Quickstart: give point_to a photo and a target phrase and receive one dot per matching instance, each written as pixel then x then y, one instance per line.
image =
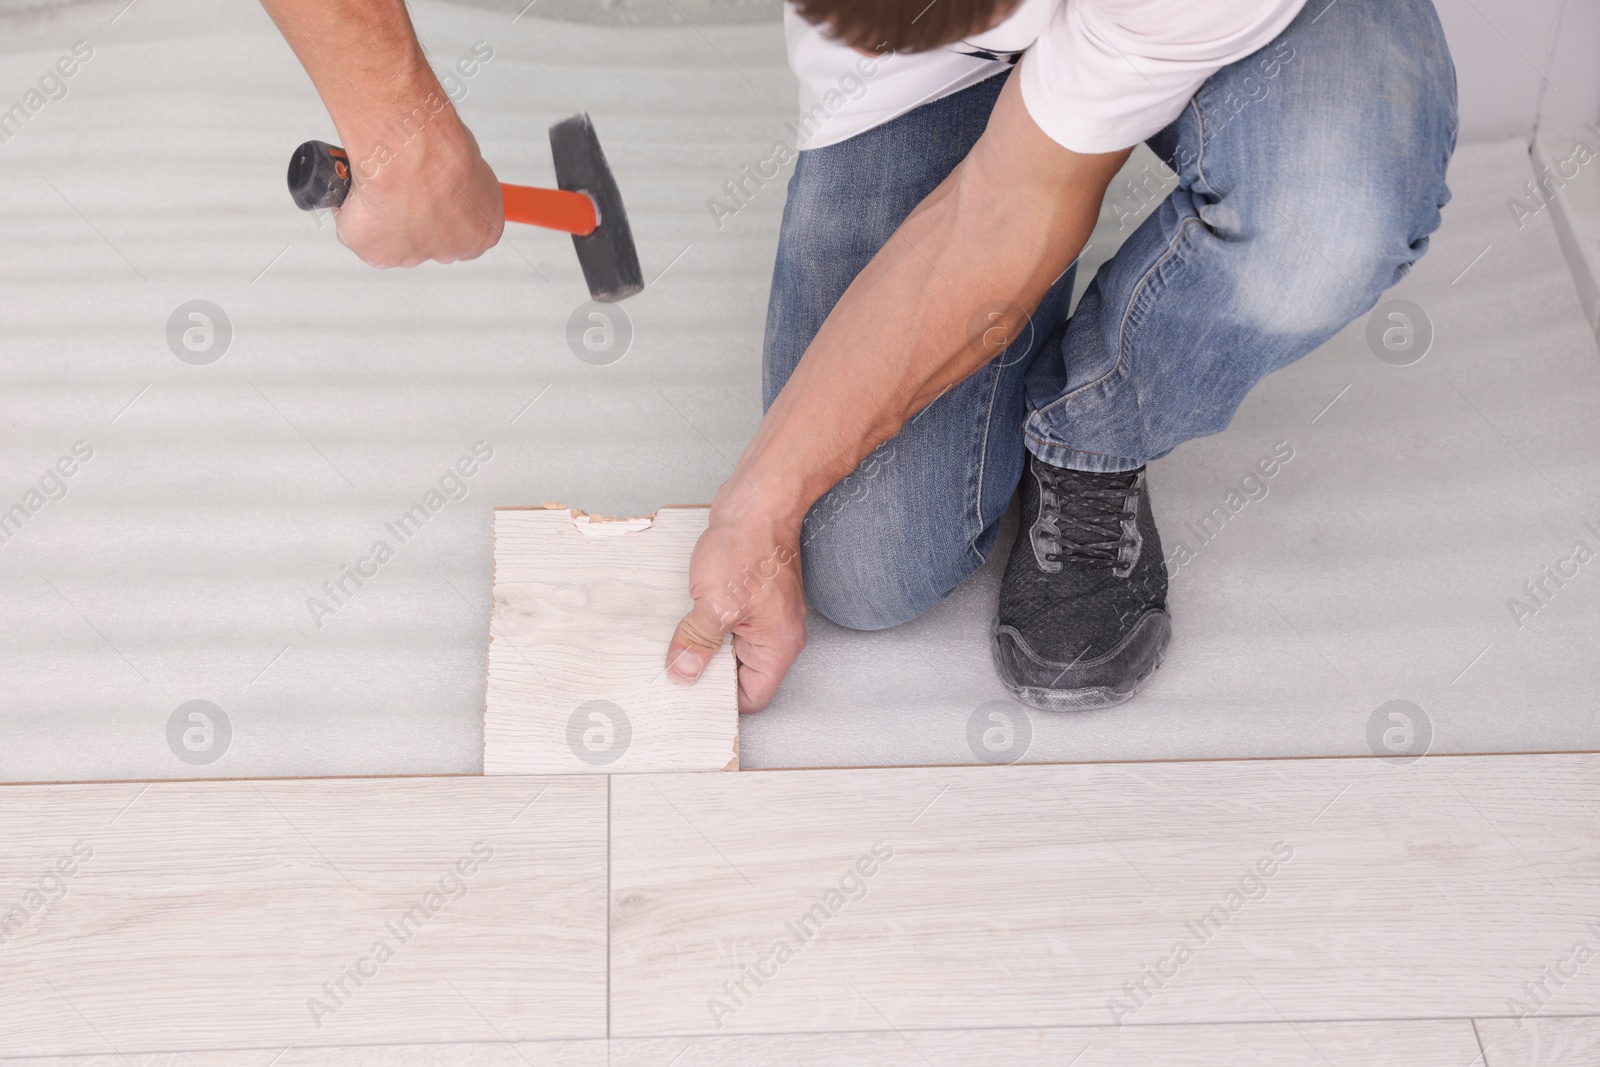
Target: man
pixel 947 200
pixel 918 348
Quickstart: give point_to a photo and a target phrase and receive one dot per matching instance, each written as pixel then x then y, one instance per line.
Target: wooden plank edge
pixel 1174 759
pixel 556 505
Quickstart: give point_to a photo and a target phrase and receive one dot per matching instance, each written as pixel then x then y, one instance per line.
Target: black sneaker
pixel 1083 606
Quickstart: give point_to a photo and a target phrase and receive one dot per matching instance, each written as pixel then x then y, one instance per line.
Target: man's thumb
pixel 695 641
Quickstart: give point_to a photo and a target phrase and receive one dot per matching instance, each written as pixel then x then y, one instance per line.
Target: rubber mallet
pixel 587 203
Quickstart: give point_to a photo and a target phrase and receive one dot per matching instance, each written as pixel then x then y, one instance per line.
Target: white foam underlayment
pixel 220 498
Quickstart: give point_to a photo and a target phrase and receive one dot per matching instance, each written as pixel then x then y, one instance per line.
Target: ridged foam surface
pixel 185 558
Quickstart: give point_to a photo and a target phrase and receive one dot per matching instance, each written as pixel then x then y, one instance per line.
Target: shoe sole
pixel 1089 698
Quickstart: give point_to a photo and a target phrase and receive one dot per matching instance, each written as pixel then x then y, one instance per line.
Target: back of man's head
pixel 904 25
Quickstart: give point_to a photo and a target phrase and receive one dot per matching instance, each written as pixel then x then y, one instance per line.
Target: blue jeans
pixel 1309 177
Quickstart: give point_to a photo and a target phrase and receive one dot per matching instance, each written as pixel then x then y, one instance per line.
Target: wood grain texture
pixel 187 916
pixel 1403 1044
pixel 1543 1041
pixel 587 1053
pixel 1048 896
pixel 577 648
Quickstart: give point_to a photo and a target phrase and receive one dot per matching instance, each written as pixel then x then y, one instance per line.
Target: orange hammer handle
pixel 554 209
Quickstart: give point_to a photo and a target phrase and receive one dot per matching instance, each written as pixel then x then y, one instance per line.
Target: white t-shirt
pixel 1100 75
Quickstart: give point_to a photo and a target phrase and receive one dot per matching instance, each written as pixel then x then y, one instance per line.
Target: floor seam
pixel 1128 761
pixel 609 778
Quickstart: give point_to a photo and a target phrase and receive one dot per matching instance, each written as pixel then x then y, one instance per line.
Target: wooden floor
pixel 1273 912
pixel 1414 1044
pixel 210 915
pixel 1242 892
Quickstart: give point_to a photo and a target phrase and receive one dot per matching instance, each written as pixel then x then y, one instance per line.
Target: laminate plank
pixel 1543 1041
pixel 587 1053
pixel 1250 891
pixel 216 915
pixel 1404 1044
pixel 583 611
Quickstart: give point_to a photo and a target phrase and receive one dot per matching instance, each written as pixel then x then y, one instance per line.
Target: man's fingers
pixel 764 658
pixel 758 684
pixel 405 227
pixel 696 640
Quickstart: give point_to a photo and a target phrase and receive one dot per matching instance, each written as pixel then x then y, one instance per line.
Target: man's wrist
pixel 772 497
pixel 383 120
pixel 430 130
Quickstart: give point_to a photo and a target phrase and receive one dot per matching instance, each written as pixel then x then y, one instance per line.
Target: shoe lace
pixel 1094 527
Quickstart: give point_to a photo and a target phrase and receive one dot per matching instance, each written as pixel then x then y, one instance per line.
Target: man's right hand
pixel 428 196
pixel 432 197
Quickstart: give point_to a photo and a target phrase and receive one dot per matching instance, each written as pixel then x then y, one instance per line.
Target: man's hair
pixel 903 25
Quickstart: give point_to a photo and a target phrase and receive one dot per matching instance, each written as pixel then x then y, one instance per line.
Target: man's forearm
pixel 911 325
pixel 364 58
pixel 421 189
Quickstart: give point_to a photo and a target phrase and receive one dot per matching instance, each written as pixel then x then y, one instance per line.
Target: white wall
pixel 1522 63
pixel 1576 69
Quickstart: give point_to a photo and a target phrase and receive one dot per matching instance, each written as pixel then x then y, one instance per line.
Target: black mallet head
pixel 609 260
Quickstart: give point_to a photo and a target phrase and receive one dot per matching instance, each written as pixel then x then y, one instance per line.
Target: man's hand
pixel 421 189
pixel 745 580
pixel 432 197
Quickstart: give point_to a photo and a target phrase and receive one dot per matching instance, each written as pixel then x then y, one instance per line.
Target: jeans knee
pixel 1309 270
pixel 857 607
pixel 870 573
pixel 855 586
pixel 1341 205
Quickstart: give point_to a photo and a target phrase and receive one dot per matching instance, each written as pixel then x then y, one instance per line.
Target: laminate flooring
pixel 1356 911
